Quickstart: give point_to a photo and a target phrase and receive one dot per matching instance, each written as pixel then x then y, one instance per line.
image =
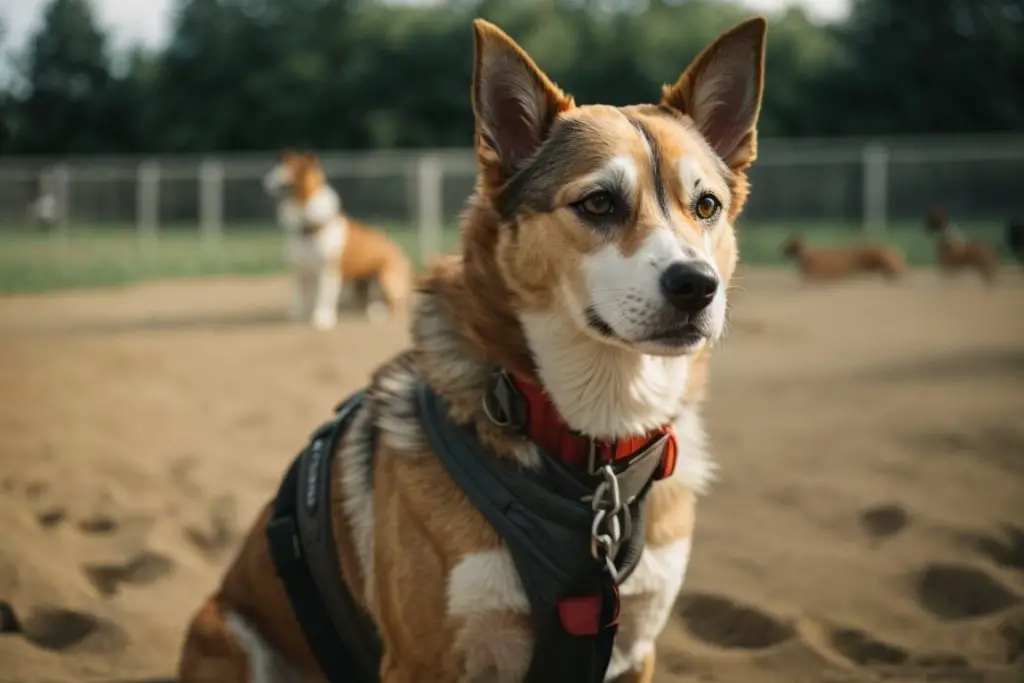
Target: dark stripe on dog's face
pixel 652 145
pixel 567 153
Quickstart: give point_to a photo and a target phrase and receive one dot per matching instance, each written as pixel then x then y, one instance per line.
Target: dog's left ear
pixel 721 91
pixel 513 101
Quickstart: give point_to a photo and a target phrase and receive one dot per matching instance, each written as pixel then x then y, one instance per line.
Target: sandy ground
pixel 868 523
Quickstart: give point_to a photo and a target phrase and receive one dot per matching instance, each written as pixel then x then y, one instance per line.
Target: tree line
pixel 241 75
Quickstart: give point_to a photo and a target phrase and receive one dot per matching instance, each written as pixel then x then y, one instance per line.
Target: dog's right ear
pixel 513 101
pixel 722 89
pixel 288 154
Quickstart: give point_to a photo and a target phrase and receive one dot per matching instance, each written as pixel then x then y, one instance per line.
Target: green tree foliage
pixel 68 75
pixel 357 74
pixel 929 66
pixel 6 100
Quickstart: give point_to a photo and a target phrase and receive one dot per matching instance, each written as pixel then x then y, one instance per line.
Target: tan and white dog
pixel 597 252
pixel 309 212
pixel 329 249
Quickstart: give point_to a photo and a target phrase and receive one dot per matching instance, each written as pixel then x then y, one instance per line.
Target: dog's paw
pixel 376 311
pixel 324 319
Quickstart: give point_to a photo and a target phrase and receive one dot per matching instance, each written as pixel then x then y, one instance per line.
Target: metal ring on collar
pixel 490 415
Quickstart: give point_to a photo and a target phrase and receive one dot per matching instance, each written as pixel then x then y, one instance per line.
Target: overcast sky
pixel 146 21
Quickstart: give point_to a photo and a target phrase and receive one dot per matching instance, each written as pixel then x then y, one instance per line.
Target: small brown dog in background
pixel 956 252
pixel 835 264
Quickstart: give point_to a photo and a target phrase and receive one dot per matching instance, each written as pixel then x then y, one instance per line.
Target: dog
pixel 1015 239
pixel 956 252
pixel 309 211
pixel 835 264
pixel 278 183
pixel 567 344
pixel 329 249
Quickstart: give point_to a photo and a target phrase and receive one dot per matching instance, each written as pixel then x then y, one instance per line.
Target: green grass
pixel 107 255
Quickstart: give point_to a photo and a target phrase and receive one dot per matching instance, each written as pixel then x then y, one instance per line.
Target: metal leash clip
pixel 610 516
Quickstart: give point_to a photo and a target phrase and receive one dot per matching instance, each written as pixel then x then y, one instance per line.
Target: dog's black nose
pixel 689 286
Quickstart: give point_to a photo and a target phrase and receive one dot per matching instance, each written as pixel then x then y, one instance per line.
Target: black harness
pixel 572 537
pixel 339 632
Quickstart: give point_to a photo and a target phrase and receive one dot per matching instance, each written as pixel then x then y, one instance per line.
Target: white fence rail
pixel 871 185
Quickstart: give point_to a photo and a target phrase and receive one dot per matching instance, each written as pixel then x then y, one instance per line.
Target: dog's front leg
pixel 328 290
pixel 304 291
pixel 301 295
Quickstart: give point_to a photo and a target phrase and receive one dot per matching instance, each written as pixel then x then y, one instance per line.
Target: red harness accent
pixel 545 426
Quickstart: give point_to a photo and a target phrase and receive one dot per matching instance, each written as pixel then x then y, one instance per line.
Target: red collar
pixel 545 426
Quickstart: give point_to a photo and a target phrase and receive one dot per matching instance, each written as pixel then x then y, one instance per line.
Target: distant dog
pixel 1015 239
pixel 309 211
pixel 277 183
pixel 956 252
pixel 328 248
pixel 836 264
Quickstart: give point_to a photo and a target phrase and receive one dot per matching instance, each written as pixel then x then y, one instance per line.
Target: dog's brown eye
pixel 598 204
pixel 707 207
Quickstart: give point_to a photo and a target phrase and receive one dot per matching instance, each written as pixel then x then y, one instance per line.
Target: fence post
pixel 147 200
pixel 62 198
pixel 429 196
pixel 875 158
pixel 211 201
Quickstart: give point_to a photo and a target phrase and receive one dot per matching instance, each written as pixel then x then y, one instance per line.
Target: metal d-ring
pixel 499 389
pixel 490 416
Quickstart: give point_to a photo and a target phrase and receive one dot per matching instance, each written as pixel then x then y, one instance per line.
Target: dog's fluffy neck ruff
pixel 601 390
pixel 320 208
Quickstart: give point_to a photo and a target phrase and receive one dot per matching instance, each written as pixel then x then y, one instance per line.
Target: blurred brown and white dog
pixel 956 252
pixel 328 249
pixel 836 264
pixel 597 251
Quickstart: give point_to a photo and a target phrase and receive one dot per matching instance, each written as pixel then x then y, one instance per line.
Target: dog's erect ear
pixel 721 91
pixel 288 154
pixel 513 101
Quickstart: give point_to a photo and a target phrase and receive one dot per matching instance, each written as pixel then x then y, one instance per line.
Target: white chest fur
pixel 313 252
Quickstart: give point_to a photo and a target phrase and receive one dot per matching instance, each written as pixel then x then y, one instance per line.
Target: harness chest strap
pixel 550 524
pixel 339 633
